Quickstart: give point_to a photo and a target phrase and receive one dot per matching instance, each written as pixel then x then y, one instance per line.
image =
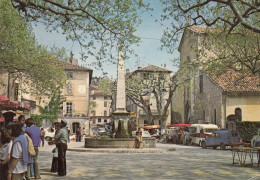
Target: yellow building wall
pixel 250 106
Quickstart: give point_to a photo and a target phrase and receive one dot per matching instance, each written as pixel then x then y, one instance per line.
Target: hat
pixel 63 123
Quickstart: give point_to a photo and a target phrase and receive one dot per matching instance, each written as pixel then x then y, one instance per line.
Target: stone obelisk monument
pixel 120 113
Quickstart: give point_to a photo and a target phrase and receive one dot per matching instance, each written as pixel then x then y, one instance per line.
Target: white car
pixel 144 134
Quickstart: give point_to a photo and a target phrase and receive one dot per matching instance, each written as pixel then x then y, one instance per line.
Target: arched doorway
pixel 231 122
pixel 75 126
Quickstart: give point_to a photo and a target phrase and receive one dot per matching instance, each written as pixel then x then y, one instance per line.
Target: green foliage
pixel 38 118
pixel 55 103
pixel 30 64
pixel 98 26
pixel 247 129
pixel 93 105
pixel 107 86
pixel 51 111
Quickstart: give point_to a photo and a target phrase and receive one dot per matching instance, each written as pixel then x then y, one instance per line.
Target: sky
pixel 148 51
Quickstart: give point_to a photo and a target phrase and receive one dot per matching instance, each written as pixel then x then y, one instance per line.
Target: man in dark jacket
pixel 61 139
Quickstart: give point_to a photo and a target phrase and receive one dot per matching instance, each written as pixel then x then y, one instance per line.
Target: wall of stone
pixel 208 101
pixel 118 143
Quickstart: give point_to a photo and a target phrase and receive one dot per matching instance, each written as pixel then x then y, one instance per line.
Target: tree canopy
pixel 99 26
pixel 235 40
pixel 27 62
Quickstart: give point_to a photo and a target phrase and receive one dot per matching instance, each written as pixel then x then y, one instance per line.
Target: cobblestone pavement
pixel 187 162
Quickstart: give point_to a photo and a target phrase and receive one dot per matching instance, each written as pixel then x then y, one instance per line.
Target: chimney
pixel 164 66
pixel 139 68
pixel 127 70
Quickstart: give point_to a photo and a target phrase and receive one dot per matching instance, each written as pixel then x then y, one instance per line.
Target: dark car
pixel 222 138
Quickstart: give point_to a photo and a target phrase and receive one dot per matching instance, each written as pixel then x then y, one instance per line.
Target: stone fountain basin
pixel 128 143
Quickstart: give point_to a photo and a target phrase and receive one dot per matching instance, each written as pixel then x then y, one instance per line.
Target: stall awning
pixel 16 105
pixel 4 99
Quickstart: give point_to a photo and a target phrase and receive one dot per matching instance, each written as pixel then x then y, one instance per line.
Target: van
pixel 200 131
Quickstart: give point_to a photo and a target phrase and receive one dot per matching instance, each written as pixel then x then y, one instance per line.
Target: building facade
pixel 212 99
pixel 149 75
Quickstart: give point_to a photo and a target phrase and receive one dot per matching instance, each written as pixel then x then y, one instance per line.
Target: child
pixel 54 166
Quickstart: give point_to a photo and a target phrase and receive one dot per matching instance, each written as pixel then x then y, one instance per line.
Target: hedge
pixel 247 129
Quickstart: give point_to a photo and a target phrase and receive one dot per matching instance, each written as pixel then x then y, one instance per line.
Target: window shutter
pixel 73 108
pixel 64 108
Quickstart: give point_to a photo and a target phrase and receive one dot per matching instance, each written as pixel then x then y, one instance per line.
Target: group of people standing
pixel 19 142
pixel 19 149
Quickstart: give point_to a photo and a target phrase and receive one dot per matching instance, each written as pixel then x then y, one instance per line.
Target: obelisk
pixel 120 92
pixel 120 114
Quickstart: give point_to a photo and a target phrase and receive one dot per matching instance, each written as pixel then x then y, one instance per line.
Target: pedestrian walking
pixel 19 153
pixel 42 136
pixel 5 150
pixel 34 133
pixel 61 139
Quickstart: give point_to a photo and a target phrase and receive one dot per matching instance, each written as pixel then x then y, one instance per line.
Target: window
pixel 201 83
pixel 105 113
pixel 71 75
pixel 105 97
pixel 69 88
pixel 69 108
pixel 94 97
pixel 238 114
pixel 93 113
pixel 161 76
pixel 105 104
pixel 105 121
pixel 99 120
pixel 204 115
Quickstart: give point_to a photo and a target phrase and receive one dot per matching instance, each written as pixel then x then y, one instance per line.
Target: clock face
pixel 82 89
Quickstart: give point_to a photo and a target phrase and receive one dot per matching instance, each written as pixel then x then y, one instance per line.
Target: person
pixel 61 140
pixel 42 136
pixel 68 133
pixel 5 150
pixel 78 134
pixel 34 133
pixel 54 165
pixel 138 139
pixel 19 153
pixel 180 131
pixel 21 119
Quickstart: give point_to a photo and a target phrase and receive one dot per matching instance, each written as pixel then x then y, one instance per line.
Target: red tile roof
pixel 235 82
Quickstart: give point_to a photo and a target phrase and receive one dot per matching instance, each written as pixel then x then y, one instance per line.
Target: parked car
pixel 144 134
pixel 221 138
pixel 199 132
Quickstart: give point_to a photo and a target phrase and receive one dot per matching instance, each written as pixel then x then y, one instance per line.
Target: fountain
pixel 121 137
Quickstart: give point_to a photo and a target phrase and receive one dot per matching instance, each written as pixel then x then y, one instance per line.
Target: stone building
pixel 149 73
pixel 76 108
pixel 213 99
pixel 100 104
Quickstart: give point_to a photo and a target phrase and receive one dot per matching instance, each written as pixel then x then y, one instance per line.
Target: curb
pixel 131 151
